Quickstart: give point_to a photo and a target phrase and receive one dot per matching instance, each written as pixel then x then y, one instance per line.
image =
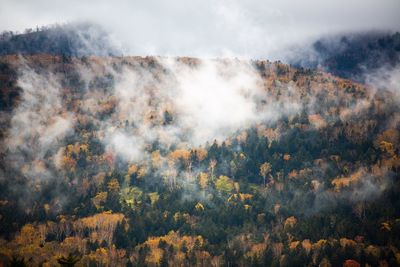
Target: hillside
pixel 73 39
pixel 134 161
pixel 353 56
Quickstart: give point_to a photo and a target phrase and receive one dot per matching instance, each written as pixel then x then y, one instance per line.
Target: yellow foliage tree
pixel 99 199
pixel 265 169
pixel 102 225
pixel 199 206
pixel 224 184
pixel 132 197
pixel 154 197
pixel 290 222
pixel 203 180
pixel 113 185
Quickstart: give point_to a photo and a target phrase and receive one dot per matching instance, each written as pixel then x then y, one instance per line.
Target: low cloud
pixel 256 29
pixel 177 102
pixel 39 124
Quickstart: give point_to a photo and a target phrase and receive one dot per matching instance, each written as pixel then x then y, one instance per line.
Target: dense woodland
pixel 318 186
pixel 352 56
pixel 73 39
pixel 349 55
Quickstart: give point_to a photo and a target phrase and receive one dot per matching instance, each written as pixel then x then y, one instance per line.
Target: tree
pixel 351 263
pixel 121 236
pixel 224 184
pixel 69 261
pixel 18 262
pixel 211 167
pixel 203 180
pixel 164 259
pixel 265 169
pixel 143 252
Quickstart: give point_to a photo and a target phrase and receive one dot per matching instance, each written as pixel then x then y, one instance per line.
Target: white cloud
pixel 39 124
pixel 210 100
pixel 216 99
pixel 251 28
pixel 128 146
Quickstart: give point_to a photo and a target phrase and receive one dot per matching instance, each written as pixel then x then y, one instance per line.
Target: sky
pixel 252 28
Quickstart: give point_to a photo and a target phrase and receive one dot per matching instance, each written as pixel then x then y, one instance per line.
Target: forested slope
pixel 353 55
pixel 111 161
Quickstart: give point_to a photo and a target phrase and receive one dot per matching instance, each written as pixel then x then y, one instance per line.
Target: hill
pixel 74 39
pixel 133 161
pixel 352 56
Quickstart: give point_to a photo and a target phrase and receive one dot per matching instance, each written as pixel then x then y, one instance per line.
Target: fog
pixel 256 29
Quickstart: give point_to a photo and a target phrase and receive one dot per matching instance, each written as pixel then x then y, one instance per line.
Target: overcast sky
pixel 254 28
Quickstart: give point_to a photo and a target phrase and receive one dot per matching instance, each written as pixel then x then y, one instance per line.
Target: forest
pixel 111 161
pixel 352 56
